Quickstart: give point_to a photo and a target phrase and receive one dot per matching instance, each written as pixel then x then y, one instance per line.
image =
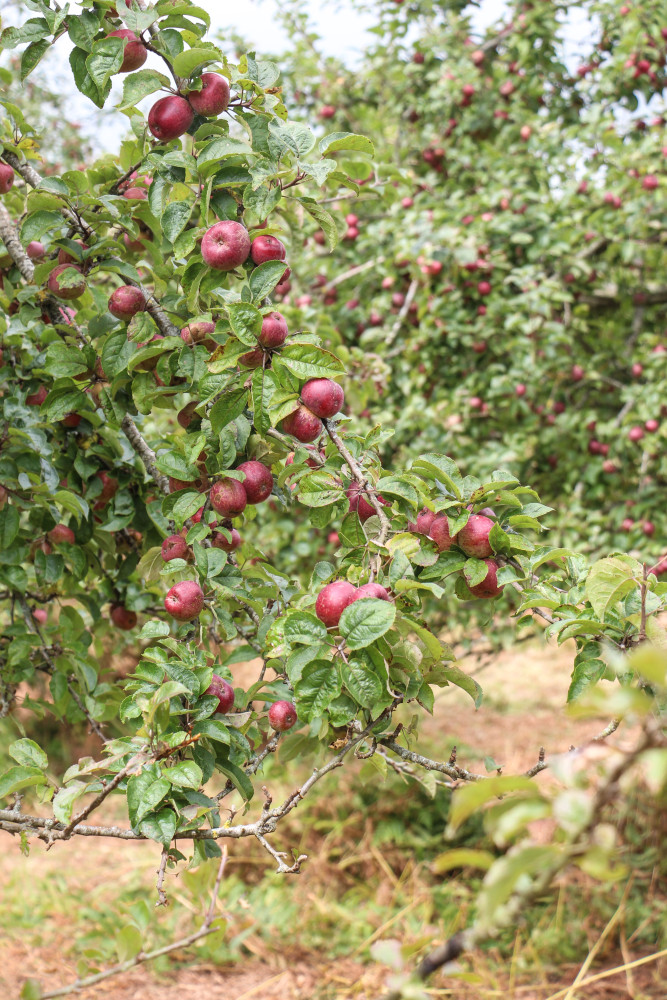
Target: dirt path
pixel 523 709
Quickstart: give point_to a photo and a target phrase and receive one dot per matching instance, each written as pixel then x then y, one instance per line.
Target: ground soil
pixel 509 729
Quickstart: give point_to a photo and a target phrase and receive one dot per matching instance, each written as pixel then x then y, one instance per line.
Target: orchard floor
pixel 48 901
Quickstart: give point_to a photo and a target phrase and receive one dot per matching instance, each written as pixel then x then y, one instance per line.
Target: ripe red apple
pixel 282 716
pixel 187 414
pixel 135 194
pixel 609 466
pixel 125 302
pixel 650 182
pixel 226 245
pixel 61 533
pixel 439 532
pixel 489 585
pixel 627 524
pixel 6 178
pixel 652 426
pixel 109 488
pixel 648 528
pixel 37 398
pixel 71 420
pixel 636 433
pixel 35 250
pixel 332 601
pixel 60 290
pixel 375 590
pixel 65 257
pixel 174 547
pixel 228 497
pixel 213 98
pixel 274 331
pixel 122 618
pixel 134 53
pixel 223 691
pixel 170 117
pixel 258 482
pixel 184 601
pixel 220 540
pixel 407 202
pixel 484 288
pixel 252 359
pixel 577 373
pixel 473 538
pixel 265 248
pixel 520 390
pixel 40 615
pixel 425 519
pixel 327 111
pixel 359 503
pixel 303 425
pixel 323 397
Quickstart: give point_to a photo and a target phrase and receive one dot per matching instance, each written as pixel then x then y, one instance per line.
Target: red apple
pixel 71 420
pixel 184 601
pixel 223 691
pixel 6 178
pixel 220 541
pixel 122 618
pixel 274 331
pixel 439 532
pixel 282 716
pixel 69 291
pixel 228 497
pixel 135 52
pixel 198 333
pixel 125 302
pixel 65 257
pixel 258 482
pixel 265 248
pixel 174 547
pixel 332 601
pixel 61 533
pixel 375 590
pixel 169 118
pixel 213 98
pixel 35 250
pixel 226 245
pixel 303 425
pixel 323 397
pixel 474 537
pixel 489 585
pixel 37 398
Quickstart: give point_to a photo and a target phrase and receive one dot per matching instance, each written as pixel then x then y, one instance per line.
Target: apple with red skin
pixel 274 331
pixel 125 302
pixel 425 519
pixel 258 482
pixel 650 182
pixel 60 290
pixel 332 601
pixel 373 590
pixel 303 425
pixel 225 245
pixel 323 397
pixel 184 601
pixel 199 333
pixel 134 53
pixel 174 547
pixel 35 250
pixel 109 488
pixel 359 503
pixel 223 691
pixel 65 257
pixel 473 538
pixel 627 524
pixel 484 288
pixel 636 433
pixel 220 540
pixel 489 585
pixel 252 359
pixel 61 533
pixel 327 111
pixel 652 426
pixel 170 117
pixel 265 248
pixel 213 98
pixel 40 615
pixel 228 497
pixel 136 194
pixel 282 716
pixel 648 528
pixel 37 398
pixel 122 618
pixel 439 532
pixel 186 416
pixel 6 178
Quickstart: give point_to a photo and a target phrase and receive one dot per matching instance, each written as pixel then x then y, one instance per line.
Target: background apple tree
pixel 165 428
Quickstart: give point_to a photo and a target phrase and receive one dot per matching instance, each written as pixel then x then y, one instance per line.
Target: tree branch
pixel 146 454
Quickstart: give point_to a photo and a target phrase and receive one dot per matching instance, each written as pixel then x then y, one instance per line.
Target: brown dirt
pixel 524 696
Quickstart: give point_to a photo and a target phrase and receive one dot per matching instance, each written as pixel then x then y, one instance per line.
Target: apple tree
pixel 156 405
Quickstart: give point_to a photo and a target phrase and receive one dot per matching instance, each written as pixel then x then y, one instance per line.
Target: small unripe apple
pixel 61 533
pixel 228 497
pixel 35 250
pixel 37 398
pixel 332 601
pixel 58 288
pixel 303 425
pixel 225 245
pixel 323 397
pixel 125 302
pixel 473 538
pixel 134 53
pixel 439 532
pixel 174 547
pixel 170 117
pixel 223 691
pixel 265 248
pixel 274 331
pixel 220 541
pixel 122 618
pixel 6 178
pixel 489 585
pixel 213 98
pixel 282 716
pixel 258 482
pixel 375 590
pixel 184 601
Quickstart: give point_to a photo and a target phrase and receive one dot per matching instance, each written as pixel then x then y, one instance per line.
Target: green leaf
pixel 175 218
pixel 160 826
pixel 309 361
pixel 28 752
pixel 365 621
pixel 263 388
pixel 610 580
pixel 303 627
pixel 39 223
pixel 144 792
pixel 238 778
pixel 185 63
pixel 324 219
pixel 186 774
pixel 32 56
pixel 290 135
pixel 346 140
pixel 17 778
pixel 128 942
pixel 214 729
pixel 363 684
pixel 154 629
pixel 138 85
pixel 105 60
pixel 263 279
pixel 83 29
pixel 9 526
pixel 469 798
pixel 453 675
pixel 261 201
pixel 230 405
pixel 245 321
pixel 319 684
